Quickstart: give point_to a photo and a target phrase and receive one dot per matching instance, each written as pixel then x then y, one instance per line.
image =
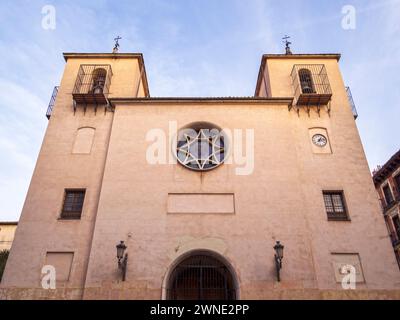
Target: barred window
pixel 396 224
pixel 335 205
pixel 99 80
pixel 397 180
pixel 388 194
pixel 306 81
pixel 73 203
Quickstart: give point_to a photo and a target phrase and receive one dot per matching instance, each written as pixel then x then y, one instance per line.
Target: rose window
pixel 201 147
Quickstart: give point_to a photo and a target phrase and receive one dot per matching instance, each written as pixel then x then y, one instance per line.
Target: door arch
pixel 201 275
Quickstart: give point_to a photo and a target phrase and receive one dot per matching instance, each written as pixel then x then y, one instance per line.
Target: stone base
pixel 106 293
pixel 40 294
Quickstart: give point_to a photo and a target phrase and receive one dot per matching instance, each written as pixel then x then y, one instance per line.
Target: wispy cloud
pixel 191 48
pixel 21 130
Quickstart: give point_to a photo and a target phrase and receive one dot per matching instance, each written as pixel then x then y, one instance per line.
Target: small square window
pixel 73 203
pixel 335 205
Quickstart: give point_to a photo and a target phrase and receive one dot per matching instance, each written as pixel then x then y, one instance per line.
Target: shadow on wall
pixel 3 261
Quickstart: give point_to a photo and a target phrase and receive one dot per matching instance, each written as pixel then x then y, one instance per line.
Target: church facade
pixel 262 197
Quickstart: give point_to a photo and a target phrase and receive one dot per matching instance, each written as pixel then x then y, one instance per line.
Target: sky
pixel 190 48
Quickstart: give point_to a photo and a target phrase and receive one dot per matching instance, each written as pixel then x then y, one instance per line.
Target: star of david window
pixel 201 147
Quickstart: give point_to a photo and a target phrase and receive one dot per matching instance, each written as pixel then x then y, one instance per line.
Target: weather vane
pixel 287 44
pixel 116 46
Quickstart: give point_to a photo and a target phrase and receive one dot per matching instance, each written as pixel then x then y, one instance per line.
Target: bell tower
pixel 91 79
pixel 313 80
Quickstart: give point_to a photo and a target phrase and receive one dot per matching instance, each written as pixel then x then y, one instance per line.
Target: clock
pixel 319 140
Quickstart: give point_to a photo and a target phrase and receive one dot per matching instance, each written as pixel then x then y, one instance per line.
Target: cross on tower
pixel 116 46
pixel 287 44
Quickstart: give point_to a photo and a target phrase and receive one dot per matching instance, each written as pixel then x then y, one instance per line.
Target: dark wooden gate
pixel 201 277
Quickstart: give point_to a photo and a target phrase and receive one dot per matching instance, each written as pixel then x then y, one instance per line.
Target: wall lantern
pixel 278 258
pixel 122 259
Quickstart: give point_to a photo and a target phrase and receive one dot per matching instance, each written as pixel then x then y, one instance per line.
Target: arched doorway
pixel 201 276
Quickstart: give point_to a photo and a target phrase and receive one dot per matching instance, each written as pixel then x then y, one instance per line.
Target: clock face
pixel 319 140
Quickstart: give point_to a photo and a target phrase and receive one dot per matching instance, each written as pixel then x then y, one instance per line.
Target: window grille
pixel 201 277
pixel 335 205
pixel 73 204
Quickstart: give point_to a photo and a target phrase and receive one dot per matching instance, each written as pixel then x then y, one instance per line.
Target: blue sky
pixel 191 48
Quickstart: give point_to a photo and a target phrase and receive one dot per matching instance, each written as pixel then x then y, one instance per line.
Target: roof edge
pixel 8 223
pixel 280 100
pixel 336 56
pixel 387 168
pixel 68 55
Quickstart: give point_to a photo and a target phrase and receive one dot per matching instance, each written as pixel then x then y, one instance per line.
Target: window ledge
pixel 339 219
pixel 69 218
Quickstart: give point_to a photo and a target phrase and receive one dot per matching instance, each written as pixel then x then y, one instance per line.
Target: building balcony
pixel 52 102
pixel 395 238
pixel 352 104
pixel 92 84
pixel 310 85
pixel 388 206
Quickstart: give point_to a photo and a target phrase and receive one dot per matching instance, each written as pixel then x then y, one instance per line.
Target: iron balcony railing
pixel 387 206
pixel 52 102
pixel 310 85
pixel 351 101
pixel 395 238
pixel 92 84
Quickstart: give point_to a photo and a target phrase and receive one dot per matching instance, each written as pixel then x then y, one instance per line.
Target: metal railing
pixel 93 79
pixel 310 84
pixel 52 102
pixel 395 238
pixel 351 101
pixel 201 277
pixel 387 206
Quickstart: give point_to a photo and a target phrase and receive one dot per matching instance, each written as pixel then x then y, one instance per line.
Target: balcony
pixel 395 238
pixel 92 84
pixel 387 206
pixel 52 102
pixel 311 85
pixel 351 101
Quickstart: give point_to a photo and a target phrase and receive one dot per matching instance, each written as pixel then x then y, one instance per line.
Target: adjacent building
pixel 387 184
pixel 7 232
pixel 199 194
